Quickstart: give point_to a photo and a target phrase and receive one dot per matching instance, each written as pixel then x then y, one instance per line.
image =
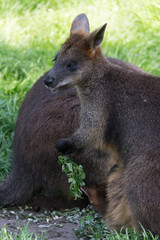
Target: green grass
pixel 31 32
pixel 93 227
pixel 23 234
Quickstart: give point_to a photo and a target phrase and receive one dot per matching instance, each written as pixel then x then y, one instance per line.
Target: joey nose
pixel 48 81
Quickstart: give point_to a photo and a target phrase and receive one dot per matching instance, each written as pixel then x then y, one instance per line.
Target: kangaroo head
pixel 97 196
pixel 74 62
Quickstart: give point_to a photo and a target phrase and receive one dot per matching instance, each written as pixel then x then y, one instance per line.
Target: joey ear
pixel 80 23
pixel 96 37
pixel 91 193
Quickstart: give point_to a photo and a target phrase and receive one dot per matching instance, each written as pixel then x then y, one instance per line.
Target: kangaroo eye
pixel 72 66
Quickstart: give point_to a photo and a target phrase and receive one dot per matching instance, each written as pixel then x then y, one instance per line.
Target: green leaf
pixel 70 166
pixel 75 175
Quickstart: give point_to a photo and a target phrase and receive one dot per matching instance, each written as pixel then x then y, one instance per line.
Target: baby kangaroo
pixel 109 200
pixel 120 113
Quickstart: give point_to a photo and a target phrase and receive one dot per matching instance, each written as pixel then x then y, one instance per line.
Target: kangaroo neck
pixel 94 85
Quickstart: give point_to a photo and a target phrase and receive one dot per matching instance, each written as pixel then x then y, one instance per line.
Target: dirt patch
pixel 56 225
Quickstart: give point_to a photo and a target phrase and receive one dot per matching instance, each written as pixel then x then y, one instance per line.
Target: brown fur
pixel 120 110
pixel 97 196
pixel 118 212
pixel 109 199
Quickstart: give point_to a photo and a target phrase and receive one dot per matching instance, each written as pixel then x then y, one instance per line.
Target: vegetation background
pixel 31 33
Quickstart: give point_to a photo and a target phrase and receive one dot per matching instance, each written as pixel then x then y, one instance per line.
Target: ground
pixel 54 224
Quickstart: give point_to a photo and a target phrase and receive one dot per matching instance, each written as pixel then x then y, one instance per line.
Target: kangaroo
pixel 36 176
pixel 120 114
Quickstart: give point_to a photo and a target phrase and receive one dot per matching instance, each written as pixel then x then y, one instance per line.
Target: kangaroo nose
pixel 48 81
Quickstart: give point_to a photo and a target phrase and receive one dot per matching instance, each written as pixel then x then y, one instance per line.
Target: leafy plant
pixel 75 175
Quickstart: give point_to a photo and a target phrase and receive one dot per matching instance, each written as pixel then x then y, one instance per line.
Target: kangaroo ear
pixel 80 23
pixel 96 37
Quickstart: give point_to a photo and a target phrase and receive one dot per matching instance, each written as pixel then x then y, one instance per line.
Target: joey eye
pixel 72 66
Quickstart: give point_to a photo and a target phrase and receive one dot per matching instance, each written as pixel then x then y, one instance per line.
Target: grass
pixel 6 234
pixel 31 33
pixel 93 227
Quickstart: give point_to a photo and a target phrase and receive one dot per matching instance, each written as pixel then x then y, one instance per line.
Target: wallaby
pixel 120 113
pixel 43 118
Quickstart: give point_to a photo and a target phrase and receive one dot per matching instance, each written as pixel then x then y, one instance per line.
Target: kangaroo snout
pixel 48 81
